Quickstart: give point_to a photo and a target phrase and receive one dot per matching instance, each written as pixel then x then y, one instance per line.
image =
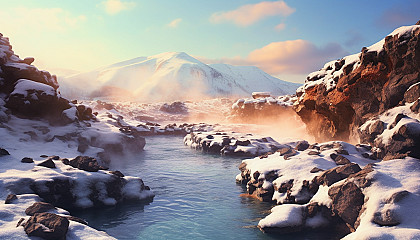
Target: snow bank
pixel 10 214
pixel 389 178
pixel 88 189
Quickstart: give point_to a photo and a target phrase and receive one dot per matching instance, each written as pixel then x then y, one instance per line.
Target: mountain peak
pixel 174 55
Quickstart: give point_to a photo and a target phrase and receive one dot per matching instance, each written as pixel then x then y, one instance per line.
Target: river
pixel 196 198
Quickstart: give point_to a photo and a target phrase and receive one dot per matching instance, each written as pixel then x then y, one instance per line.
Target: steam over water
pixel 196 198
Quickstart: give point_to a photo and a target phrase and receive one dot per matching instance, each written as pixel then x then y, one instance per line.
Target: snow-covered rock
pixel 260 109
pixel 231 143
pixel 67 186
pixel 13 213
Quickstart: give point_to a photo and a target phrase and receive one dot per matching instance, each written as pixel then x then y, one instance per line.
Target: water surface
pixel 196 198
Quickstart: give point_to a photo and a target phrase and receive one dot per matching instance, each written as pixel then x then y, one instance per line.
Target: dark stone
pixel 43 156
pixel 242 143
pixel 47 163
pixel 4 152
pixel 175 107
pixel 20 222
pixel 65 161
pixel 48 226
pixel 289 154
pixel 360 177
pixel 347 201
pixel 336 174
pixel 76 219
pixel 341 160
pixel 86 163
pixel 315 170
pixel 55 157
pixel 39 207
pixel 283 150
pixel 416 106
pixel 398 196
pixel 302 146
pixel 412 94
pixel 117 173
pixel 386 218
pixel 342 151
pixel 242 166
pixel 27 160
pixel 313 153
pixel 284 187
pixel 10 198
pixel 397 119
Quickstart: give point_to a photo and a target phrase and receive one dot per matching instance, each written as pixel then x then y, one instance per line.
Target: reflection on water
pixel 196 198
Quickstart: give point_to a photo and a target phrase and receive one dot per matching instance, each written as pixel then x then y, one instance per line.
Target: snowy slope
pixel 173 76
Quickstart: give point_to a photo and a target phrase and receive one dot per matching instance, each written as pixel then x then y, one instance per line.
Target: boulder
pixel 48 226
pixel 175 107
pixel 86 163
pixel 413 93
pixel 386 218
pixel 27 160
pixel 302 146
pixel 47 163
pixel 39 207
pixel 347 201
pixel 10 198
pixel 3 152
pixel 336 174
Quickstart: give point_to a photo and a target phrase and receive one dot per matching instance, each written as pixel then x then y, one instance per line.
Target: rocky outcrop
pixel 262 108
pixel 31 92
pixel 343 95
pixel 175 107
pixel 233 144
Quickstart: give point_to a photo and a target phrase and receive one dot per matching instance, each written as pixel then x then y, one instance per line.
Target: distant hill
pixel 171 76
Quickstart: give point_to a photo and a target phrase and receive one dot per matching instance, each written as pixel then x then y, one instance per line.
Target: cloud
pixel 294 57
pixel 174 23
pixel 280 27
pixel 287 57
pixel 113 7
pixel 400 14
pixel 39 19
pixel 252 13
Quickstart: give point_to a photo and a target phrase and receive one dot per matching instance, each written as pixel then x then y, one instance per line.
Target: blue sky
pixel 288 39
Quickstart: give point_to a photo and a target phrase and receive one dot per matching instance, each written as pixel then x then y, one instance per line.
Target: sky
pixel 287 39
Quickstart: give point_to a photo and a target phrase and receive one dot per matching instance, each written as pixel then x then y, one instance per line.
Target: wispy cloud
pixel 39 19
pixel 174 23
pixel 400 14
pixel 252 13
pixel 287 57
pixel 280 26
pixel 113 7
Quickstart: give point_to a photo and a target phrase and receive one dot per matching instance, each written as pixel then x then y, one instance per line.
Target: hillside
pixel 172 76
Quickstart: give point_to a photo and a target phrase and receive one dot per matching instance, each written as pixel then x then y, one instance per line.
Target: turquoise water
pixel 196 198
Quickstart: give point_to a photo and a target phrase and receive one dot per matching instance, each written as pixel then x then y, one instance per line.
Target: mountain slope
pixel 172 76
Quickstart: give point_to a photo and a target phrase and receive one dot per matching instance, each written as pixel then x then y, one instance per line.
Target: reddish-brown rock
pixel 376 83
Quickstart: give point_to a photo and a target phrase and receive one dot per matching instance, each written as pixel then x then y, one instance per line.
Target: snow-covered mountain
pixel 172 76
